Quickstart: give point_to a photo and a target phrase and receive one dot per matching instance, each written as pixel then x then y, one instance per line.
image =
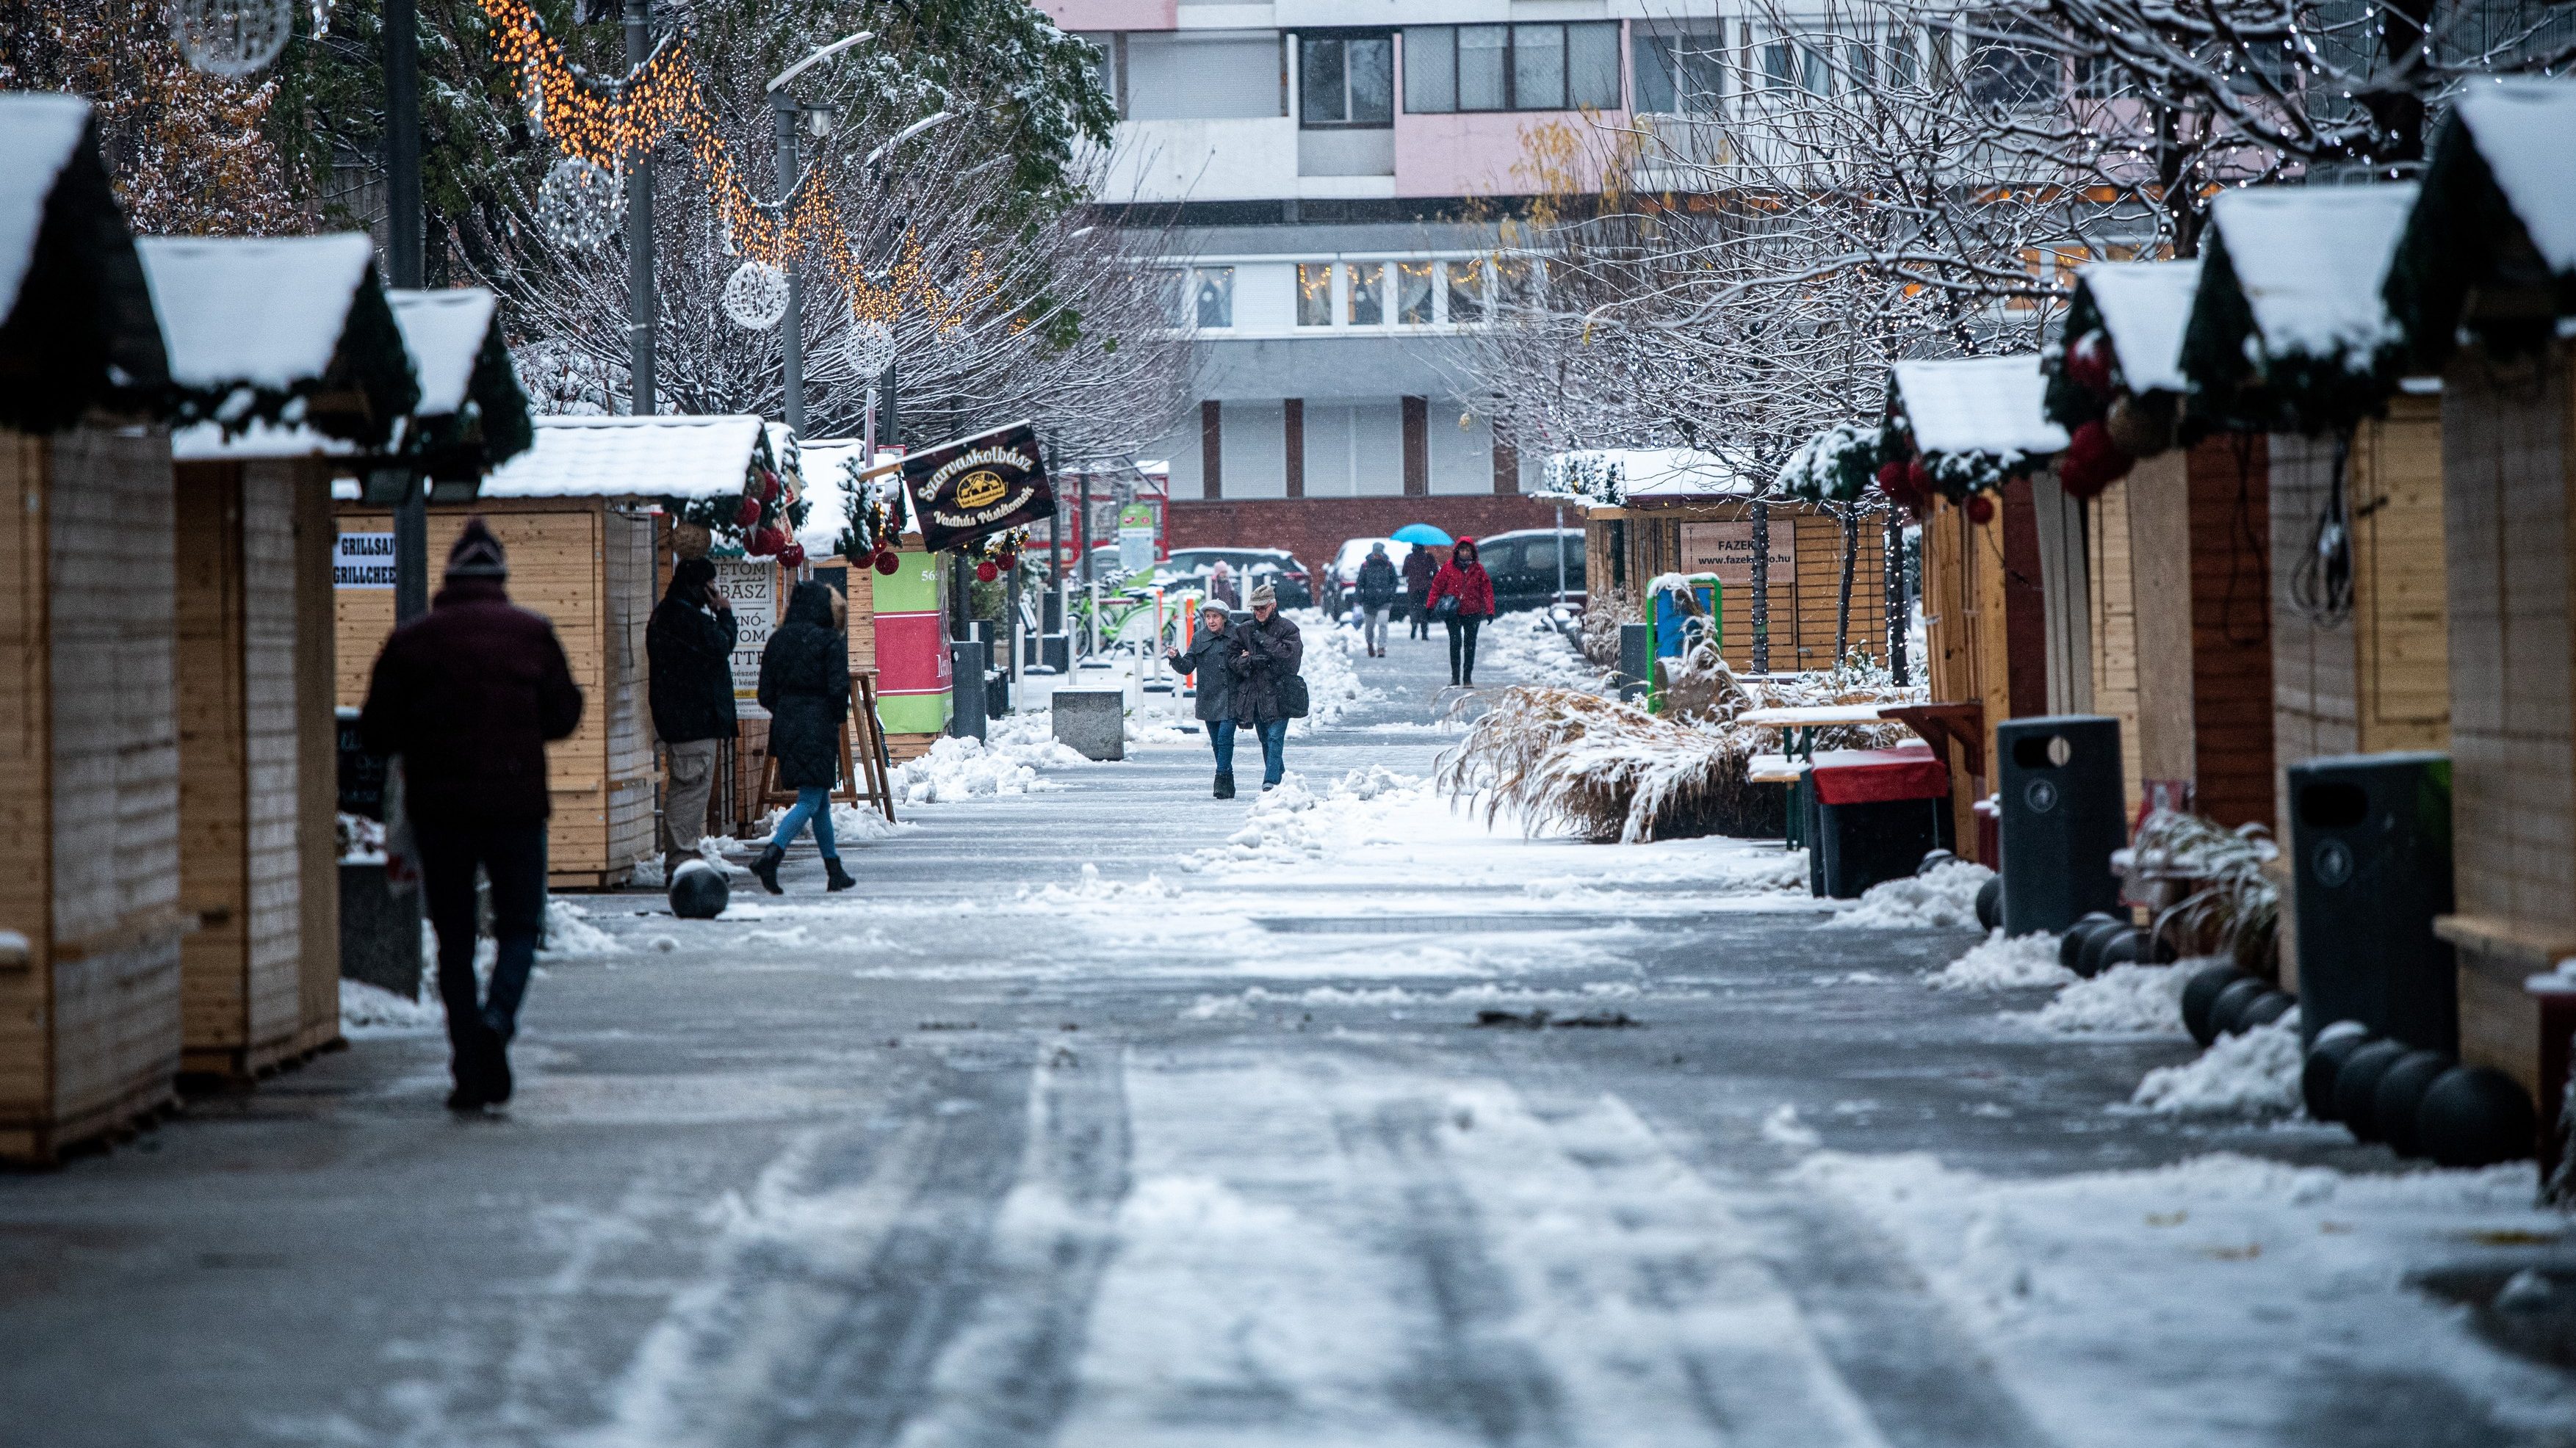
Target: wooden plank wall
pixel 2155 512
pixel 272 735
pixel 26 880
pixel 317 789
pixel 2111 600
pixel 1806 598
pixel 115 778
pixel 2232 610
pixel 1966 633
pixel 213 768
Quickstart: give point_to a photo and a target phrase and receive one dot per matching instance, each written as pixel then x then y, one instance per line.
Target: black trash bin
pixel 2064 814
pixel 966 688
pixel 2370 850
pixel 1873 815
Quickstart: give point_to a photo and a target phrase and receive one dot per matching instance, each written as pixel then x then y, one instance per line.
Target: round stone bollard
pixel 2393 1106
pixel 2264 1009
pixel 1990 903
pixel 2070 946
pixel 699 891
pixel 2335 1045
pixel 2231 1002
pixel 2475 1116
pixel 2357 1086
pixel 2201 993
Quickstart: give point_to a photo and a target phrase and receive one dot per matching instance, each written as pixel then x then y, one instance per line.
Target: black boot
pixel 1225 784
pixel 496 1069
pixel 766 869
pixel 472 1053
pixel 834 877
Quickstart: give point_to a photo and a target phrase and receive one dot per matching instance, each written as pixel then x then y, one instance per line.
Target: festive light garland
pixel 605 122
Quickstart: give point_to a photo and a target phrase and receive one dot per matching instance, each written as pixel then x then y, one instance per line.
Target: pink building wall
pixel 1112 14
pixel 1485 153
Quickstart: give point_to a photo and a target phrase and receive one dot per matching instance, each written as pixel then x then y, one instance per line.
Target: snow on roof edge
pixel 42 133
pixel 2522 126
pixel 2146 307
pixel 1978 404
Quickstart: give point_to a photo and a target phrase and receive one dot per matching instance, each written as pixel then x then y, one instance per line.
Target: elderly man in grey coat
pixel 1268 651
pixel 1209 658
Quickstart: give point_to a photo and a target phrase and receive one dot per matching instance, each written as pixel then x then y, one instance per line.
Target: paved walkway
pixel 1115 1115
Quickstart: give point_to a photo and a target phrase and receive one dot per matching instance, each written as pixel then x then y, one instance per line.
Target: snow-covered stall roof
pixel 76 326
pixel 665 456
pixel 445 331
pixel 824 465
pixel 2311 262
pixel 1978 405
pixel 1616 477
pixel 2499 194
pixel 2525 130
pixel 281 329
pixel 2145 306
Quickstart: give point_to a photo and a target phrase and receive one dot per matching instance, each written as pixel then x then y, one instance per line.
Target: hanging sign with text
pixel 978 486
pixel 750 585
pixel 363 560
pixel 1726 549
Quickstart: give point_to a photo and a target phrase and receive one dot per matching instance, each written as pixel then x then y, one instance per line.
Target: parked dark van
pixel 1523 566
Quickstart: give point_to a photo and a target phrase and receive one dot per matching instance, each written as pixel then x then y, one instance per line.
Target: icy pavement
pixel 1106 1113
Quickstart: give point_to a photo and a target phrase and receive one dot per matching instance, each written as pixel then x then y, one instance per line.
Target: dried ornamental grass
pixel 2232 907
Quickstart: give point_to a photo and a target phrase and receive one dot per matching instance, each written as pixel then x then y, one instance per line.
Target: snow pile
pixel 1091 889
pixel 1333 688
pixel 1997 963
pixel 966 768
pixel 1944 897
pixel 372 1010
pixel 1783 1128
pixel 1524 648
pixel 1292 823
pixel 2126 1000
pixel 2254 1074
pixel 569 933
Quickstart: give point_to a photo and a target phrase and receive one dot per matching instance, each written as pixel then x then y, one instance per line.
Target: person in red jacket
pixel 468 694
pixel 1462 596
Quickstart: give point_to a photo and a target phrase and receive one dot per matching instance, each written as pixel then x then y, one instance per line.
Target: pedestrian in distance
pixel 1462 594
pixel 689 646
pixel 1209 659
pixel 1376 587
pixel 1266 655
pixel 805 686
pixel 1221 585
pixel 468 695
pixel 1419 568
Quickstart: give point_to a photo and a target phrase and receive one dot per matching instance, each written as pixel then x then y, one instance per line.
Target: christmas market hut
pixel 2289 337
pixel 1780 561
pixel 2176 548
pixel 907 635
pixel 581 513
pixel 1966 448
pixel 2483 287
pixel 90 919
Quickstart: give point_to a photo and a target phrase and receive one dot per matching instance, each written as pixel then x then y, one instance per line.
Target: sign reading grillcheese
pixel 979 485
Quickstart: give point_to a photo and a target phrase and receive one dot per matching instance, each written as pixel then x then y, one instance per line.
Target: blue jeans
pixel 513 858
pixel 1221 739
pixel 1274 750
pixel 813 802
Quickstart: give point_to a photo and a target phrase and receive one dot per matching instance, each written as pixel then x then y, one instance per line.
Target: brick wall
pixel 1314 528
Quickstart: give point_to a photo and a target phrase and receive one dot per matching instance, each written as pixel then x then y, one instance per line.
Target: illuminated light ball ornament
pixel 579 203
pixel 755 296
pixel 231 37
pixel 870 347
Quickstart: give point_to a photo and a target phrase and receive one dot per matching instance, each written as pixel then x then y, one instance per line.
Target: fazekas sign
pixel 964 490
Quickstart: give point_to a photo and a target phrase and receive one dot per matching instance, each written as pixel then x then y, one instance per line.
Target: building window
pixel 1368 294
pixel 1466 291
pixel 1682 75
pixel 1543 67
pixel 1345 81
pixel 1413 293
pixel 1212 296
pixel 1314 294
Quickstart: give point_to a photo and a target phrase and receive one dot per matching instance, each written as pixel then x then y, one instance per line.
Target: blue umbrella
pixel 1424 534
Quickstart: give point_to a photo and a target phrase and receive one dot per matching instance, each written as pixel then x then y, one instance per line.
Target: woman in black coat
pixel 805 686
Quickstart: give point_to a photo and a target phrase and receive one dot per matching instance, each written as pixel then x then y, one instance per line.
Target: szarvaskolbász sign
pixel 980 485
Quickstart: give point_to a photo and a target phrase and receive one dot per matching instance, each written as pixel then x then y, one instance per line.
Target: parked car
pixel 1523 566
pixel 1344 575
pixel 1252 567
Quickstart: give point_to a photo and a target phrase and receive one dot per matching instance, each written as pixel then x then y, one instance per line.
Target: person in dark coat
pixel 1210 659
pixel 805 686
pixel 1376 587
pixel 689 645
pixel 1464 579
pixel 467 695
pixel 1419 566
pixel 1267 650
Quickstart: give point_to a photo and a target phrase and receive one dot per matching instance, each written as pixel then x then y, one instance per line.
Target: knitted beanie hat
pixel 477 553
pixel 1265 594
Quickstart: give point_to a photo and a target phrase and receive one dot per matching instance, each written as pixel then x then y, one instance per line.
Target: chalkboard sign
pixel 362 775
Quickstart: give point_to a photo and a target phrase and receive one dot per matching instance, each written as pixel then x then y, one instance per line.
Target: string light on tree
pixel 579 204
pixel 755 296
pixel 233 37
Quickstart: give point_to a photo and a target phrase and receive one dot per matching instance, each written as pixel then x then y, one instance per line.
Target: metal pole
pixel 404 242
pixel 641 298
pixel 1560 555
pixel 782 109
pixel 1761 588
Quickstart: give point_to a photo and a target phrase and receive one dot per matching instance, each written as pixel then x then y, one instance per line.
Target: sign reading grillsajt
pixel 979 485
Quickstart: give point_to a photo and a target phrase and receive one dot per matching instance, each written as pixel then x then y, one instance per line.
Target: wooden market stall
pixel 2177 552
pixel 2286 337
pixel 1649 512
pixel 2004 628
pixel 581 513
pixel 258 744
pixel 90 919
pixel 2488 256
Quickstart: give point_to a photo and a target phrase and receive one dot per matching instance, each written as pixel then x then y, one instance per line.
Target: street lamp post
pixel 640 296
pixel 784 110
pixel 404 242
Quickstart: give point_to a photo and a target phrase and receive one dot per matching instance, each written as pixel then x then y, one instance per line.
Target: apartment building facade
pixel 1334 168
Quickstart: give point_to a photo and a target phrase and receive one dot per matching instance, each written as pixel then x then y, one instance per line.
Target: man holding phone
pixel 689 645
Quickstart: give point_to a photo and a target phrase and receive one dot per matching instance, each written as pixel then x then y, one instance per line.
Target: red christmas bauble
pixel 985 572
pixel 748 515
pixel 1981 509
pixel 1918 475
pixel 1891 476
pixel 2088 364
pixel 768 487
pixel 792 556
pixel 2091 461
pixel 886 562
pixel 766 543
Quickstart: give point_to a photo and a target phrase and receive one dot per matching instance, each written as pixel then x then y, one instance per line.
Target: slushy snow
pixel 2254 1074
pixel 2126 1000
pixel 1997 963
pixel 1944 897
